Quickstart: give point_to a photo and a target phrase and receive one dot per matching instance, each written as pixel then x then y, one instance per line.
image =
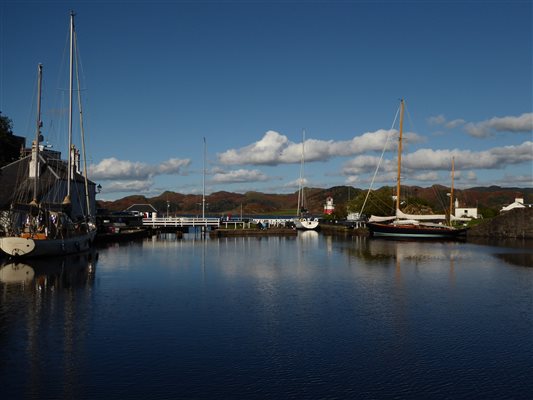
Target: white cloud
pixel 352 179
pixel 173 166
pixel 423 160
pixel 134 186
pixel 437 120
pixel 239 176
pixel 497 157
pixel 266 151
pixel 362 164
pixel 274 148
pixel 112 168
pixel 455 123
pixel 522 123
pixel 426 176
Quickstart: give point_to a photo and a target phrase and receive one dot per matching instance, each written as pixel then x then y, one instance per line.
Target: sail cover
pixel 428 217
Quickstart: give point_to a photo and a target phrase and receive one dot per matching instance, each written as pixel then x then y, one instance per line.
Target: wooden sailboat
pixel 45 226
pixel 413 226
pixel 302 220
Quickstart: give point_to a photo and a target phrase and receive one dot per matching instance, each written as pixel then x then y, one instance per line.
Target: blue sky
pixel 249 76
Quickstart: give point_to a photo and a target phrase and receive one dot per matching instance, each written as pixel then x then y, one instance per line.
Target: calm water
pixel 304 317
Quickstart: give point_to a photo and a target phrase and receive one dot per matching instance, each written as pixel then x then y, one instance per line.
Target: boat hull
pixel 414 231
pixel 305 224
pixel 31 247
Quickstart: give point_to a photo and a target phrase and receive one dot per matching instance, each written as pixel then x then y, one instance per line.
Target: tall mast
pixel 451 191
pixel 71 79
pixel 37 135
pixel 203 184
pixel 82 131
pixel 398 179
pixel 300 183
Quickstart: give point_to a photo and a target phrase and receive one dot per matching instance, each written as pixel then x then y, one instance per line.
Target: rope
pixel 380 160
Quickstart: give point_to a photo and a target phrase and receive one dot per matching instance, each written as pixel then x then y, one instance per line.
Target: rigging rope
pixel 380 160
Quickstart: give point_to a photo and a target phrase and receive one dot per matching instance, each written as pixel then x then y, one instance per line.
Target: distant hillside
pixel 253 203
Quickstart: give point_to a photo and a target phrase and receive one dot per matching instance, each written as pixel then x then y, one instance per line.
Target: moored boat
pixel 302 220
pixel 404 225
pixel 305 223
pixel 415 229
pixel 47 217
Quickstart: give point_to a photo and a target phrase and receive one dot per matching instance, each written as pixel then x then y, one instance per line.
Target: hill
pixel 488 199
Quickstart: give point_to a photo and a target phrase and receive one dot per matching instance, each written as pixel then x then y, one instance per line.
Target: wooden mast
pixel 35 153
pixel 71 79
pixel 451 191
pixel 398 179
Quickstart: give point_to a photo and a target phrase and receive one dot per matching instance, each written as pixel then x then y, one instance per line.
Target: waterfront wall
pixel 516 223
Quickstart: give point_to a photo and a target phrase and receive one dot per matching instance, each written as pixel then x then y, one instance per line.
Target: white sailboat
pixel 302 221
pixel 45 226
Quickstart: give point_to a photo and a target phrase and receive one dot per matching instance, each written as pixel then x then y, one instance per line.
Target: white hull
pixel 16 273
pixel 27 247
pixel 305 224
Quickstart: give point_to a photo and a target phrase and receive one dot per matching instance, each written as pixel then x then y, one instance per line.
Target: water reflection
pixel 16 272
pixel 44 302
pixel 50 272
pixel 244 317
pixel 520 259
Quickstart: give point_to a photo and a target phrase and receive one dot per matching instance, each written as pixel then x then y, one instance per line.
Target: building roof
pixel 141 208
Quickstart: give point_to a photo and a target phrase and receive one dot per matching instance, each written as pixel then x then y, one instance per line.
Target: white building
pixel 518 203
pixel 466 212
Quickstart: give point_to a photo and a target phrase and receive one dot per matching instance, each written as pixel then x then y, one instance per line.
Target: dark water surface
pixel 304 317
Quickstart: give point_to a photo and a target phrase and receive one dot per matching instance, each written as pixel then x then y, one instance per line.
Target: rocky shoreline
pixel 514 224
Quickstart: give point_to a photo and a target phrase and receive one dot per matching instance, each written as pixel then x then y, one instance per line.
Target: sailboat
pixel 47 226
pixel 413 226
pixel 302 221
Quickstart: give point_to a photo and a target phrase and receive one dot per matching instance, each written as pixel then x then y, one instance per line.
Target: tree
pixel 379 202
pixel 9 143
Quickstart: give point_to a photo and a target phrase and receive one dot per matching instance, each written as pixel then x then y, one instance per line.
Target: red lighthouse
pixel 329 207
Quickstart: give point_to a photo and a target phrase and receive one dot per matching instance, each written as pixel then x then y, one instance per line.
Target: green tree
pixel 379 202
pixel 488 212
pixel 339 214
pixel 9 144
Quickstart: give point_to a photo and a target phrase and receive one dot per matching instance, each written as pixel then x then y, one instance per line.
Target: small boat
pixel 302 220
pixel 47 226
pixel 119 226
pixel 412 226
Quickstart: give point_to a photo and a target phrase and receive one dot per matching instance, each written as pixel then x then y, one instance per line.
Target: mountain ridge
pixel 253 202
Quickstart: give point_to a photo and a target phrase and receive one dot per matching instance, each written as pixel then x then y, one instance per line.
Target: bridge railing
pixel 180 222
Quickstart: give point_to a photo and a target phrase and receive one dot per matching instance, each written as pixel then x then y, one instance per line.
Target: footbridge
pixel 191 222
pixel 180 222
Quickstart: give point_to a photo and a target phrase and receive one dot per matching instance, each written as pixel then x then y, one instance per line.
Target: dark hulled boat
pixel 411 226
pixel 413 230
